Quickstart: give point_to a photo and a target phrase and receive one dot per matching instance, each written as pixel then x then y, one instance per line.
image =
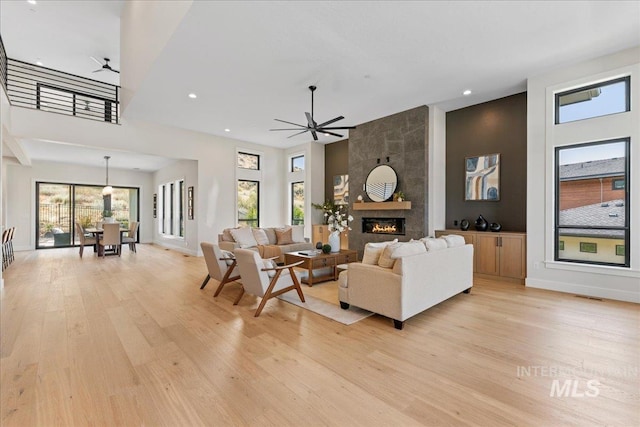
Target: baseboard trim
pixel 572 288
pixel 186 251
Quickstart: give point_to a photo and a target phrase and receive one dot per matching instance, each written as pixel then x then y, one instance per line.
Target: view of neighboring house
pixel 592 192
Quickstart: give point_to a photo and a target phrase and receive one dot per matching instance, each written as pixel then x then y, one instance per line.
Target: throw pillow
pixel 271 235
pixel 283 236
pixel 386 261
pixel 226 235
pixel 268 263
pixel 228 255
pixel 433 244
pixel 372 252
pixel 454 240
pixel 244 237
pixel 260 236
pixel 409 248
pixel 297 233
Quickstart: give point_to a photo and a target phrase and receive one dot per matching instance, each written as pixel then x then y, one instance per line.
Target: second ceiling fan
pixel 314 127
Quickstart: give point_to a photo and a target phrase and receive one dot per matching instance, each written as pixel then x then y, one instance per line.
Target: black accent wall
pixel 498 126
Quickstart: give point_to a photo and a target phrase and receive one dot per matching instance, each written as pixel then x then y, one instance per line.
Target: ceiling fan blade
pixel 312 124
pixel 99 63
pixel 305 130
pixel 315 136
pixel 326 132
pixel 98 70
pixel 115 71
pixel 291 123
pixel 299 133
pixel 330 121
pixel 341 127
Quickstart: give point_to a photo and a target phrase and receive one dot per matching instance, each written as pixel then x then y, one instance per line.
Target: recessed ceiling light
pixel 227 130
pixel 193 96
pixel 38 62
pixel 466 92
pixel 32 2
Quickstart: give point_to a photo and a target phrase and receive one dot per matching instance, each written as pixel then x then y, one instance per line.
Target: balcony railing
pixel 41 88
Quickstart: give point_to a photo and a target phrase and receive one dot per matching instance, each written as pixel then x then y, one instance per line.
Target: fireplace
pixel 383 225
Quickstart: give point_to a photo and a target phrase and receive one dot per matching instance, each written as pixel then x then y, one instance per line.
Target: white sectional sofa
pixel 417 279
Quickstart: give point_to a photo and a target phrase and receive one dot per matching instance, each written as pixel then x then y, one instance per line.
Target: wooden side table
pixel 320 261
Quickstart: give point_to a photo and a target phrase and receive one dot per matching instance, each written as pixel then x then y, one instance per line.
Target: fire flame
pixel 384 229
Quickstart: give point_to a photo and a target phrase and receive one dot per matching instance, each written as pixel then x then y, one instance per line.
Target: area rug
pixel 326 309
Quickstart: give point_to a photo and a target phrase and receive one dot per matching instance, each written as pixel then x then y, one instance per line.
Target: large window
pixel 592 212
pixel 248 202
pixel 60 206
pixel 297 203
pixel 171 209
pixel 595 100
pixel 248 161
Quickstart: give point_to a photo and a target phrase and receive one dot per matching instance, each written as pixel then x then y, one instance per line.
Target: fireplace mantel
pixel 381 206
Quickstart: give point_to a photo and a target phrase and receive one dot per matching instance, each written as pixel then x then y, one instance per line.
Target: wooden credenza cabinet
pixel 320 233
pixel 496 255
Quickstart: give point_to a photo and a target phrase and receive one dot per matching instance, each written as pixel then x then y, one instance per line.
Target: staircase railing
pixel 41 88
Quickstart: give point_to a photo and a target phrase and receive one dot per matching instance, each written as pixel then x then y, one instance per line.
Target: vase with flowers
pixel 338 222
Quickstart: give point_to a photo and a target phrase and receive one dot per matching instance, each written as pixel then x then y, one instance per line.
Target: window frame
pixel 257 219
pixel 293 158
pixel 170 209
pixel 293 220
pixel 557 95
pixel 627 226
pixel 244 153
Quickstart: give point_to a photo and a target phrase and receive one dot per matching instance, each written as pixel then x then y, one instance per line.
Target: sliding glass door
pixel 60 206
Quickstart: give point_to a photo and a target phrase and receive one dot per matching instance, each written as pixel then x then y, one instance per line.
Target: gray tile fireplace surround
pixel 403 138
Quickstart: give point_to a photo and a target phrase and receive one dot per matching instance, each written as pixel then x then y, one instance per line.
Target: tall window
pixel 171 209
pixel 249 177
pixel 592 203
pixel 248 202
pixel 297 203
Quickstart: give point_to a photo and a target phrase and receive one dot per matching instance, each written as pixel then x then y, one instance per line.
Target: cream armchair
pixel 219 266
pixel 264 279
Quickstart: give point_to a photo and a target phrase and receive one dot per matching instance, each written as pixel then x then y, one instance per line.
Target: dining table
pixel 98 231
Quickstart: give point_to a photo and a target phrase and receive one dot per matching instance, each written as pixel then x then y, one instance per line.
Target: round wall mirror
pixel 381 183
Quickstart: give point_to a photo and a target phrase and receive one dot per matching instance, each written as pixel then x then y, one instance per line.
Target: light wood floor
pixel 134 341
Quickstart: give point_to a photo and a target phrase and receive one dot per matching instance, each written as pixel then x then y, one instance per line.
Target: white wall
pixel 187 170
pixel 542 137
pixel 437 161
pixel 21 194
pixel 216 156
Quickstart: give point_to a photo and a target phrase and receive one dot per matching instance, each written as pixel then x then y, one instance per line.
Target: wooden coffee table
pixel 315 262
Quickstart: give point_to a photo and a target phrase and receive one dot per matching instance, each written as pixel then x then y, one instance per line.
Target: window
pixel 589 247
pixel 595 100
pixel 248 161
pixel 171 209
pixel 297 164
pixel 248 202
pixel 617 184
pixel 588 213
pixel 297 203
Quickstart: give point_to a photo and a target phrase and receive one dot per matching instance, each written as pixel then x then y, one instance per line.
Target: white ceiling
pixel 251 62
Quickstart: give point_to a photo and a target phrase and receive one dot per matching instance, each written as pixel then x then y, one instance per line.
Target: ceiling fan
pixel 104 66
pixel 314 127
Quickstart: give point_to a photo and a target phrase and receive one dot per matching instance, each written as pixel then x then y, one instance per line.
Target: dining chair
pixel 130 238
pixel 220 266
pixel 110 237
pixel 264 279
pixel 83 239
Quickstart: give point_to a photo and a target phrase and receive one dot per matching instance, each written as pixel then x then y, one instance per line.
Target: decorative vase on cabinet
pixel 334 241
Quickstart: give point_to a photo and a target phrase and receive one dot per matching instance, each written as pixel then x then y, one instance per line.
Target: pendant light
pixel 107 190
